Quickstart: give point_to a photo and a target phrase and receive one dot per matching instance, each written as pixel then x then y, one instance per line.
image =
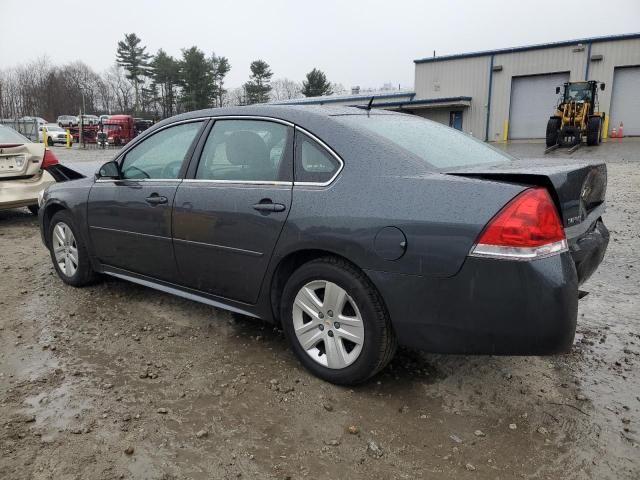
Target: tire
pixel 350 363
pixel 83 274
pixel 50 141
pixel 569 137
pixel 594 129
pixel 34 209
pixel 553 129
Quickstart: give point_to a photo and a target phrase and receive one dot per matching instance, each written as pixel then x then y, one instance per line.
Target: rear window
pixel 436 144
pixel 9 135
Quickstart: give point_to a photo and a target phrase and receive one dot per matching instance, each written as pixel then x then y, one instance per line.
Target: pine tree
pixel 165 72
pixel 258 87
pixel 132 57
pixel 316 84
pixel 196 79
pixel 220 67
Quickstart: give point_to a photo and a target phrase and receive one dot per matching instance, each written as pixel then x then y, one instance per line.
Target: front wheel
pixel 594 129
pixel 553 129
pixel 68 252
pixel 336 322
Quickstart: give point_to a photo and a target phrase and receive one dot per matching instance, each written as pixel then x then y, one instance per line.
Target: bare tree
pixel 285 89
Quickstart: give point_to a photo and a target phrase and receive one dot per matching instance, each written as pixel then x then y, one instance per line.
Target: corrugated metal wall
pixel 467 77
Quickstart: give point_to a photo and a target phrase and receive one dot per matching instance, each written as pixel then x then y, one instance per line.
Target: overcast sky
pixel 366 43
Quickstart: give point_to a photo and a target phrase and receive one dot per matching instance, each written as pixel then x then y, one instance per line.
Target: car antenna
pixel 369 104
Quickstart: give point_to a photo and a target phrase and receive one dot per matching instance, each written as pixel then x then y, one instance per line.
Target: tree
pixel 285 89
pixel 220 67
pixel 196 79
pixel 316 84
pixel 165 74
pixel 258 87
pixel 132 57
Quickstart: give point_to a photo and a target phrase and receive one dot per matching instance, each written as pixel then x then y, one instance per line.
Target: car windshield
pixel 9 135
pixel 436 144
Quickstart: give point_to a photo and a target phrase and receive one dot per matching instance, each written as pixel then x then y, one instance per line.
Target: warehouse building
pixel 509 94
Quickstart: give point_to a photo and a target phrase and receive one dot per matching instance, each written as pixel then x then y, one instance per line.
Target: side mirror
pixel 602 86
pixel 557 90
pixel 108 170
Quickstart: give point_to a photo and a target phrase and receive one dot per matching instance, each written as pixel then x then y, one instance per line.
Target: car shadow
pixel 17 216
pixel 409 371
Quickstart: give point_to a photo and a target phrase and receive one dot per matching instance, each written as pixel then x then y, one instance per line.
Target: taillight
pixel 527 227
pixel 49 159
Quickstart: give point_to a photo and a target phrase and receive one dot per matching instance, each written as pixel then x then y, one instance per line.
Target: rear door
pixel 228 216
pixel 130 218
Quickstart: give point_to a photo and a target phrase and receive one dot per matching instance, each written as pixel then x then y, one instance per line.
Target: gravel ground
pixel 120 381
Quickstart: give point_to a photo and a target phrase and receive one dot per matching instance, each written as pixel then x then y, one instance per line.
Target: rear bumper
pixel 23 193
pixel 489 307
pixel 588 250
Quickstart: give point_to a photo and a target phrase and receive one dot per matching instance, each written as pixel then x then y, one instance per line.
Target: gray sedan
pixel 354 230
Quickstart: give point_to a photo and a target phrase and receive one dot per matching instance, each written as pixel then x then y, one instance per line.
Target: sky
pixel 355 42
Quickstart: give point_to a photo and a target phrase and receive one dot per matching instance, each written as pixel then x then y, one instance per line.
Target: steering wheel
pixel 172 169
pixel 133 167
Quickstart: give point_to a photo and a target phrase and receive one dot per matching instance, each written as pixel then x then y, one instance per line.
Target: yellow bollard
pixel 505 131
pixel 44 137
pixel 605 128
pixel 69 138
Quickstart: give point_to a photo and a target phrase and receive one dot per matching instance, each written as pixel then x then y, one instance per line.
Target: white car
pixel 39 120
pixel 67 121
pixel 55 134
pixel 23 170
pixel 89 119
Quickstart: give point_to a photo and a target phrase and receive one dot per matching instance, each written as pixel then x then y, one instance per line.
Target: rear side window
pixel 314 164
pixel 435 144
pixel 246 151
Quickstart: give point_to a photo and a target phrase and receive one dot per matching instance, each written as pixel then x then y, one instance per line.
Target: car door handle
pixel 156 199
pixel 269 207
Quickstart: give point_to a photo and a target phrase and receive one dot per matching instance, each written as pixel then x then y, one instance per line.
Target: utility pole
pixel 81 121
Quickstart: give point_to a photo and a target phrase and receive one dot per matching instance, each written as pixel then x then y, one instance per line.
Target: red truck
pixel 120 129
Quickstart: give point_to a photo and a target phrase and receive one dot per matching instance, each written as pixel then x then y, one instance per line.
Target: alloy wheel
pixel 65 249
pixel 328 324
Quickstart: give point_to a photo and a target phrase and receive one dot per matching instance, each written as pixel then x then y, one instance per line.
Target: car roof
pixel 284 112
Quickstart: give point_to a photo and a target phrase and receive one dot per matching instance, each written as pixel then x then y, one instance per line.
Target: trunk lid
pixel 15 161
pixel 578 189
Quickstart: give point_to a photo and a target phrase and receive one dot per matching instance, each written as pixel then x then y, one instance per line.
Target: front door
pixel 455 119
pixel 130 217
pixel 228 217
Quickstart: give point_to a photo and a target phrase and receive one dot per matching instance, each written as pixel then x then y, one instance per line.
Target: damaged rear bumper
pixel 589 249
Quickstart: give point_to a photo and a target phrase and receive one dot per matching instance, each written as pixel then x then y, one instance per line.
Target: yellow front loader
pixel 577 115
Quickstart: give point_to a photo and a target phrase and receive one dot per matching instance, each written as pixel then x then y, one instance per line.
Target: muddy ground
pixel 120 381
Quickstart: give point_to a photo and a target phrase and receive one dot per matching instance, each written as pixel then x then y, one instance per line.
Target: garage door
pixel 625 100
pixel 532 102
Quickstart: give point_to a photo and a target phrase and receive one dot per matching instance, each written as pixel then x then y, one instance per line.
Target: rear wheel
pixel 69 254
pixel 594 129
pixel 336 322
pixel 553 129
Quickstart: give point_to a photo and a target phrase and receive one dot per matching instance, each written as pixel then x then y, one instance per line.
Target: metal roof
pixel 365 97
pixel 397 100
pixel 564 43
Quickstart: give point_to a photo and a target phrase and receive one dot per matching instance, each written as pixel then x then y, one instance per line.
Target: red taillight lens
pixel 527 227
pixel 49 159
